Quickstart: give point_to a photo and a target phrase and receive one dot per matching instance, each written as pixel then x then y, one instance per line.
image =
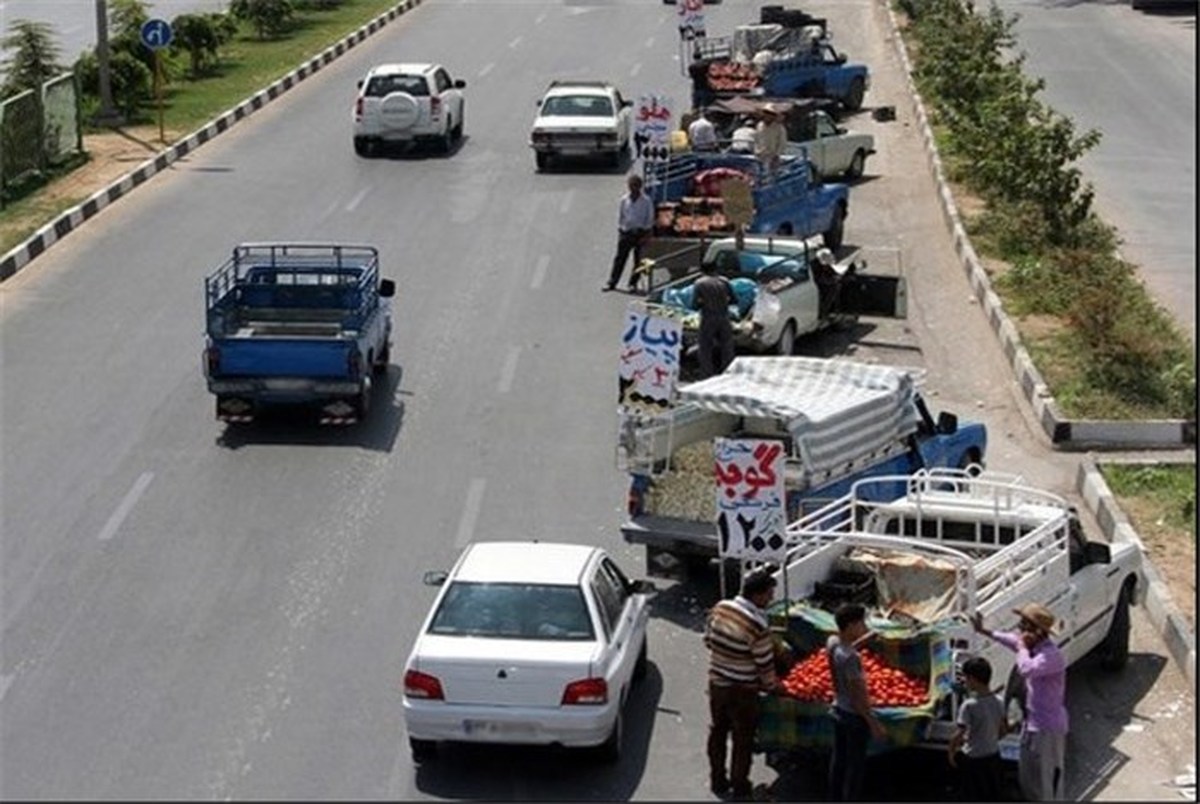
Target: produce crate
pixel 786 723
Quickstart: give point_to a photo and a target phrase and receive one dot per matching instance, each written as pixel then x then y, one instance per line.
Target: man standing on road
pixel 853 721
pixel 741 664
pixel 1040 765
pixel 635 220
pixel 713 294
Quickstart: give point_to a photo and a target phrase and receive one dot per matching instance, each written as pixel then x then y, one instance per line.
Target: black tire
pixel 362 405
pixel 641 665
pixel 541 160
pixel 858 164
pixel 971 458
pixel 837 229
pixel 609 751
pixel 854 97
pixel 1114 650
pixel 422 750
pixel 361 146
pixel 614 159
pixel 457 133
pixel 445 143
pixel 786 346
pixel 380 366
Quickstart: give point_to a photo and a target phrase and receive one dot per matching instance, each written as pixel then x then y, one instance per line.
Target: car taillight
pixel 586 692
pixel 358 108
pixel 212 359
pixel 435 106
pixel 354 364
pixel 422 685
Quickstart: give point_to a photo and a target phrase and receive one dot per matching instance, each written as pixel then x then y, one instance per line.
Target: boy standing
pixel 853 721
pixel 980 724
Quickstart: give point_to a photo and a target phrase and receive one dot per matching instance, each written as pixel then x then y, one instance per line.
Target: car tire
pixel 786 345
pixel 854 97
pixel 458 127
pixel 422 750
pixel 1114 649
pixel 361 146
pixel 380 366
pixel 445 142
pixel 858 164
pixel 362 405
pixel 641 665
pixel 541 160
pixel 837 229
pixel 609 751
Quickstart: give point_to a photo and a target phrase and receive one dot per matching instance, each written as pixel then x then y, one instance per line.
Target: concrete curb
pixel 1064 433
pixel 64 224
pixel 1160 607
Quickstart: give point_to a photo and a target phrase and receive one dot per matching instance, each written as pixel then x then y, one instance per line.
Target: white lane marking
pixel 5 683
pixel 540 18
pixel 539 271
pixel 356 200
pixel 487 68
pixel 509 371
pixel 515 42
pixel 635 69
pixel 118 516
pixel 466 525
pixel 568 199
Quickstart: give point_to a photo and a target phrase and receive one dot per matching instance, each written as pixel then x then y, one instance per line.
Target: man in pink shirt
pixel 1040 663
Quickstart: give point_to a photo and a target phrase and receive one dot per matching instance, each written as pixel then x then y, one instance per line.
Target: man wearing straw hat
pixel 1040 766
pixel 771 137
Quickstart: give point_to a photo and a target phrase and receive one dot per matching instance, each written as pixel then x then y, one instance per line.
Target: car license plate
pixel 494 728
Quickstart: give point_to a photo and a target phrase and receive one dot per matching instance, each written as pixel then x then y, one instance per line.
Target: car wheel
pixel 542 160
pixel 854 98
pixel 786 346
pixel 833 236
pixel 385 357
pixel 422 750
pixel 445 142
pixel 858 163
pixel 1114 650
pixel 458 128
pixel 361 146
pixel 642 663
pixel 609 751
pixel 363 404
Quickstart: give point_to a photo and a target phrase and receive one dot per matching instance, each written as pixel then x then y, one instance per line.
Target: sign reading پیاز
pixel 649 364
pixel 652 126
pixel 751 515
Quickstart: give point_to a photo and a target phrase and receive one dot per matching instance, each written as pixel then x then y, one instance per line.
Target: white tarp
pixel 835 410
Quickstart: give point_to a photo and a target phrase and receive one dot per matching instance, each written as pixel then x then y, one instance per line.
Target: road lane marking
pixel 357 199
pixel 539 271
pixel 540 18
pixel 509 371
pixel 635 69
pixel 487 68
pixel 466 525
pixel 565 207
pixel 5 683
pixel 650 43
pixel 515 42
pixel 118 516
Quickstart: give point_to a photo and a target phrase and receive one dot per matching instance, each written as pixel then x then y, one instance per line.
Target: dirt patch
pixel 112 154
pixel 1173 553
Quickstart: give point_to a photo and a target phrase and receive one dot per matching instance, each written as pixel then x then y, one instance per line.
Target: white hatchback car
pixel 533 643
pixel 406 103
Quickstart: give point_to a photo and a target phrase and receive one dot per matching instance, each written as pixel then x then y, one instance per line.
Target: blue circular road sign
pixel 156 34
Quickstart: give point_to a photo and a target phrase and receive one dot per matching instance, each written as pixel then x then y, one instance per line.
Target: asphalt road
pixel 1131 76
pixel 191 611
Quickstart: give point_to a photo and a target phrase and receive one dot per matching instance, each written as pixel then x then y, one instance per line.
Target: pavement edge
pixel 1065 434
pixel 71 219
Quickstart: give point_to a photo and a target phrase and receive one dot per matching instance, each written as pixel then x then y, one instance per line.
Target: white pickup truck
pixel 831 149
pixel 955 544
pixel 782 293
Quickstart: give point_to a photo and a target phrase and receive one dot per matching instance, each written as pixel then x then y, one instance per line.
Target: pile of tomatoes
pixel 812 680
pixel 731 77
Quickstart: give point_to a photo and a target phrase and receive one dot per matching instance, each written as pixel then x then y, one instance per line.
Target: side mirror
pixel 947 423
pixel 460 84
pixel 387 288
pixel 625 104
pixel 643 587
pixel 1097 553
pixel 359 84
pixel 434 577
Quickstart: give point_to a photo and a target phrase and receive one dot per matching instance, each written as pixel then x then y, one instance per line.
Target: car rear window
pixel 578 106
pixel 513 611
pixel 382 85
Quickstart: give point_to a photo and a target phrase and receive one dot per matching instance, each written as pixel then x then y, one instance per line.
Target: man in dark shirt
pixel 713 295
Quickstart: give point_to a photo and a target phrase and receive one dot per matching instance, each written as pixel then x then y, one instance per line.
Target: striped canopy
pixel 835 410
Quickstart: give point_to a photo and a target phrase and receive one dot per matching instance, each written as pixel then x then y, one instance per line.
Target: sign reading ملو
pixel 652 124
pixel 751 511
pixel 649 362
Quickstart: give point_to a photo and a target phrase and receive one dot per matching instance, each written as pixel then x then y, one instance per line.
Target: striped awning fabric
pixel 835 410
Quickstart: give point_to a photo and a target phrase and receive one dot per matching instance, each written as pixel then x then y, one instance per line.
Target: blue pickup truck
pixel 792 202
pixel 297 324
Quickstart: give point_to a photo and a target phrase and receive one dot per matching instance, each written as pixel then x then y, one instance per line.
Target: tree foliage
pixel 201 37
pixel 269 17
pixel 34 58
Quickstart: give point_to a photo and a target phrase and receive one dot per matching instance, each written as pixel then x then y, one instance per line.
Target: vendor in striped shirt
pixel 741 664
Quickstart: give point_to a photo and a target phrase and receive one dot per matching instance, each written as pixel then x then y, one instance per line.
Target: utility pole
pixel 108 114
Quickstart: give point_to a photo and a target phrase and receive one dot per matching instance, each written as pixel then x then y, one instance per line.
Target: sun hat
pixel 1039 615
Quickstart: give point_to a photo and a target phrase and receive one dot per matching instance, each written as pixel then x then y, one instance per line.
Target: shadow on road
pixel 548 774
pixel 297 425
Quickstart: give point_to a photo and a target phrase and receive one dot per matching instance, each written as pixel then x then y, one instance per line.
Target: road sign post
pixel 157 34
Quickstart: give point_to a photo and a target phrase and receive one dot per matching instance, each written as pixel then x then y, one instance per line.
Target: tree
pixel 269 17
pixel 35 56
pixel 199 37
pixel 131 80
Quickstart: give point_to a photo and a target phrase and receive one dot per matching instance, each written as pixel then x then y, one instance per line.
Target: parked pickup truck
pixel 794 58
pixel 922 561
pixel 783 291
pixel 297 324
pixel 839 421
pixel 686 190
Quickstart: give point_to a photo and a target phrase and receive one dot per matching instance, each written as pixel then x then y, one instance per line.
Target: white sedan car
pixel 532 643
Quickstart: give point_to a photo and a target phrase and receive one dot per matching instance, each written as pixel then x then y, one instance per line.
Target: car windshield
pixel 578 106
pixel 513 611
pixel 382 85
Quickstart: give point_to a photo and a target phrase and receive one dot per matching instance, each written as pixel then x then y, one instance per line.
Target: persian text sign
pixel 652 118
pixel 649 364
pixel 751 515
pixel 691 17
